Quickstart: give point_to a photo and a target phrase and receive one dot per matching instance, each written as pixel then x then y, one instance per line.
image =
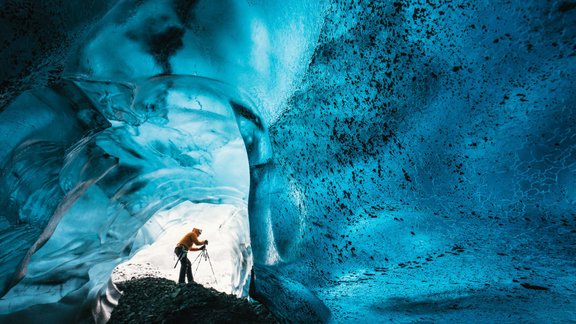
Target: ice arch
pixel 160 148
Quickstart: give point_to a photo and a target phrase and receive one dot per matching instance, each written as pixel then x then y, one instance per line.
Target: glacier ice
pixel 423 152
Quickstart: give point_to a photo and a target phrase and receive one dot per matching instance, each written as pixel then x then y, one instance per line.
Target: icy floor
pixel 505 280
pixel 438 294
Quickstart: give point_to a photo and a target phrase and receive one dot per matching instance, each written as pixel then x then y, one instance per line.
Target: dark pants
pixel 185 264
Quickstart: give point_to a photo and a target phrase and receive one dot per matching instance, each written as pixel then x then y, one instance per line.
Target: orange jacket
pixel 189 239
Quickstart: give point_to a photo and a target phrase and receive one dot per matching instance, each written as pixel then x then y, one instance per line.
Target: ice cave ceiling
pixel 408 160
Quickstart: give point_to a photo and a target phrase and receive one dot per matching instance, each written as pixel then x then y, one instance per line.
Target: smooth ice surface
pixel 261 46
pixel 423 152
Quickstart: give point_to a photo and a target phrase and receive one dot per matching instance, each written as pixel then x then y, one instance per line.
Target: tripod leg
pixel 198 262
pixel 199 255
pixel 208 257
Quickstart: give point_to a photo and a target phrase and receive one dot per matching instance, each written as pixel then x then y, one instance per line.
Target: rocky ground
pixel 159 300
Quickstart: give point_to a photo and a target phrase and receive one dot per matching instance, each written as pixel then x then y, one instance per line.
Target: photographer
pixel 186 244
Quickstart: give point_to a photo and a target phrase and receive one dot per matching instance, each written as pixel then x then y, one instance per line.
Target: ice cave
pixel 369 161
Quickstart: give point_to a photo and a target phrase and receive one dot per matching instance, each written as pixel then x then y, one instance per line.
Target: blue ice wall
pixel 430 156
pixel 462 110
pixel 423 152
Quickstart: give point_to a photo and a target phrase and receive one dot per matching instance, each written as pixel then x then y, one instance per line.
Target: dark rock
pixel 159 300
pixel 533 287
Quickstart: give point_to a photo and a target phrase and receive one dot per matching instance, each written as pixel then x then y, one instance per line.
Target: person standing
pixel 187 244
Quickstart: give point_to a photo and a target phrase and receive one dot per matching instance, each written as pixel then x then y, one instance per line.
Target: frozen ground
pixel 482 280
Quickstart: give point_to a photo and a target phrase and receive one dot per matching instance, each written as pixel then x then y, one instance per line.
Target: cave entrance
pixel 226 228
pixel 191 136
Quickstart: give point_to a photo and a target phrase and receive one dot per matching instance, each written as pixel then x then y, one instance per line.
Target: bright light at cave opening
pixel 224 226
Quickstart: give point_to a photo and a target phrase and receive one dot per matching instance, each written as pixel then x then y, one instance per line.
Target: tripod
pixel 204 253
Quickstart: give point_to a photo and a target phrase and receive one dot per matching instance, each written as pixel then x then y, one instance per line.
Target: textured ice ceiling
pixel 409 160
